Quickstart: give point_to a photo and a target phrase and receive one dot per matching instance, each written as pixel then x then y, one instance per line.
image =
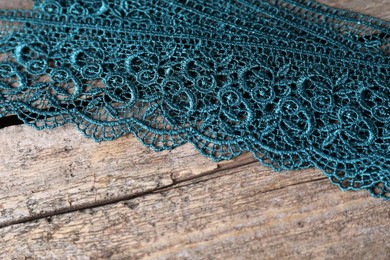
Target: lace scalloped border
pixel 294 94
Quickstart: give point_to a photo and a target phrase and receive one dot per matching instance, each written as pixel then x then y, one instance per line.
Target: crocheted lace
pixel 294 82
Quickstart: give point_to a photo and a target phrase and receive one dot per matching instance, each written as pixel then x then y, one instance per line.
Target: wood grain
pixel 376 8
pixel 43 172
pixel 238 212
pixel 65 196
pixel 16 4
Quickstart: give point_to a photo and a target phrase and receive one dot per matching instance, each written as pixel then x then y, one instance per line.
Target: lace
pixel 294 82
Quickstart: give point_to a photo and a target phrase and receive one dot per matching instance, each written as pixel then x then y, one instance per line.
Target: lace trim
pixel 296 83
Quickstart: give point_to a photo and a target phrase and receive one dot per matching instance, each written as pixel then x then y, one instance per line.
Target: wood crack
pixel 207 176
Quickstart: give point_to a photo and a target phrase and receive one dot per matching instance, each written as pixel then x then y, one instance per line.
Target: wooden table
pixel 65 196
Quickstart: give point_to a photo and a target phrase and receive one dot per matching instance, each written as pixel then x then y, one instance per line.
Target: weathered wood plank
pixel 43 172
pixel 232 213
pixel 48 172
pixel 377 8
pixel 16 4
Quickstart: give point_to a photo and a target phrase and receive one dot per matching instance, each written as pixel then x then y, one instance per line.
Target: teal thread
pixel 296 83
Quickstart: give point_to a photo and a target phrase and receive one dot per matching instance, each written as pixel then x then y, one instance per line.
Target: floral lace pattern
pixel 296 83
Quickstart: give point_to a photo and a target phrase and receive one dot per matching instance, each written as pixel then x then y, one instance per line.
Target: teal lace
pixel 294 82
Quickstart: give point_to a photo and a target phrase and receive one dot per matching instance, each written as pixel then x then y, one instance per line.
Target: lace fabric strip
pixel 294 82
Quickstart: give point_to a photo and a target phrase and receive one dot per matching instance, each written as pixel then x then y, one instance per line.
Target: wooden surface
pixel 63 196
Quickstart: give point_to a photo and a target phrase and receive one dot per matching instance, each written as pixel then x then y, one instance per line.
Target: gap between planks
pixel 44 173
pixel 175 183
pixel 231 213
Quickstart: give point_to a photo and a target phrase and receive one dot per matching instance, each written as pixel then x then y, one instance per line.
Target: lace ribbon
pixel 296 83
